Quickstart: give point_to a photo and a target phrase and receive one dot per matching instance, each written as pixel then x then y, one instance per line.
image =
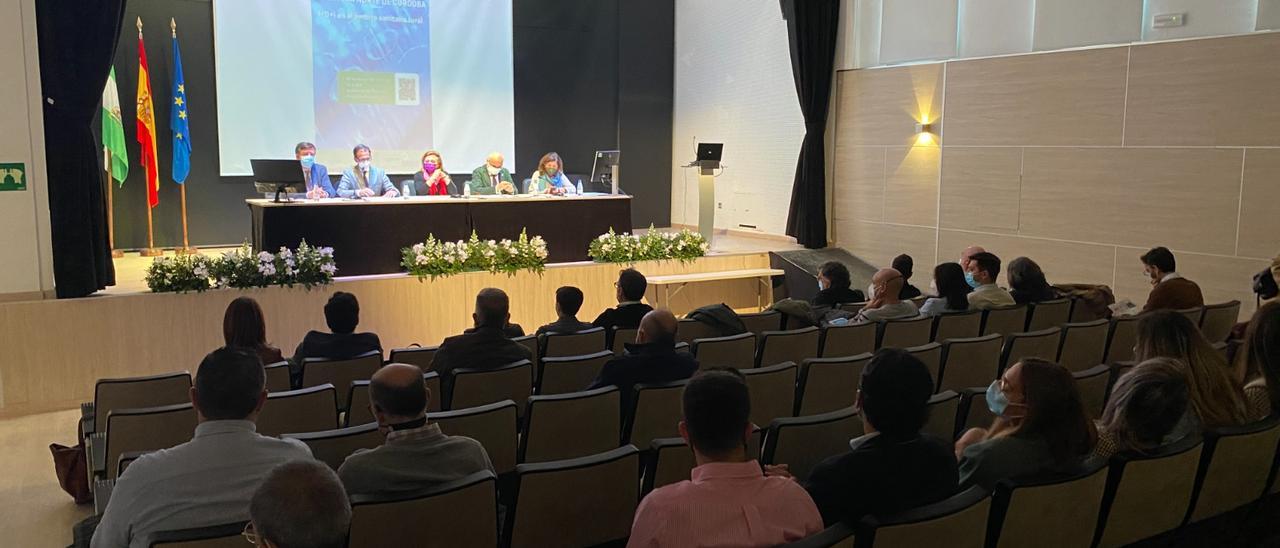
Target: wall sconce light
pixel 924 127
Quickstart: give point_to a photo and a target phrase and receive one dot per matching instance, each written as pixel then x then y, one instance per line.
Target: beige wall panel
pixel 1068 98
pixel 1221 278
pixel 980 188
pixel 1216 92
pixel 1062 262
pixel 911 185
pixel 859 183
pixel 1180 198
pixel 882 106
pixel 879 243
pixel 1260 205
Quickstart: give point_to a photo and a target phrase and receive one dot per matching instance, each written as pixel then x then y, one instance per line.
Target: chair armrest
pixel 87 415
pixel 102 495
pixel 96 449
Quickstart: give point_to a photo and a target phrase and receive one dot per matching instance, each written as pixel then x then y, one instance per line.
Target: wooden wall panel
pixel 911 185
pixel 859 183
pixel 980 188
pixel 1220 278
pixel 886 104
pixel 879 243
pixel 1062 262
pixel 1260 204
pixel 1217 92
pixel 1068 98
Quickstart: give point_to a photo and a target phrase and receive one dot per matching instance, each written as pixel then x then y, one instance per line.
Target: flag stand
pixel 151 250
pixel 111 223
pixel 144 92
pixel 186 248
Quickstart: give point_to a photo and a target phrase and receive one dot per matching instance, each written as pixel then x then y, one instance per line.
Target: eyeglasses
pixel 250 534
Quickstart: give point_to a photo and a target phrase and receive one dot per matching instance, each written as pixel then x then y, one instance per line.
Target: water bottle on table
pixel 579 187
pixel 407 191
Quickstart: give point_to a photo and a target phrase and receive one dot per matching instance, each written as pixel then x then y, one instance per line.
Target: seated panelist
pixel 363 180
pixel 550 177
pixel 314 174
pixel 432 180
pixel 492 178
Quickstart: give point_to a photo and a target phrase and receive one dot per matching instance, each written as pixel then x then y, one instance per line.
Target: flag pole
pixel 186 246
pixel 111 223
pixel 151 250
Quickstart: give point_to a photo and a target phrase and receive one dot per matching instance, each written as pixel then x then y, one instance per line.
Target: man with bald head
pixel 652 358
pixel 492 178
pixel 416 454
pixel 967 255
pixel 884 302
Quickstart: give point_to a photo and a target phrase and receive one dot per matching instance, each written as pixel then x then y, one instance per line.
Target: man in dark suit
pixel 893 467
pixel 314 174
pixel 653 358
pixel 486 346
pixel 631 286
pixel 568 303
pixel 342 314
pixel 1169 289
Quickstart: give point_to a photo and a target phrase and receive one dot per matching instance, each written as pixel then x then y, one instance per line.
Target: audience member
pixel 342 314
pixel 1169 290
pixel 893 467
pixel 568 302
pixel 951 288
pixel 886 285
pixel 981 275
pixel 244 326
pixel 299 505
pixel 1040 427
pixel 967 255
pixel 1145 408
pixel 905 265
pixel 835 286
pixel 486 346
pixel 416 455
pixel 1027 283
pixel 1216 396
pixel 729 501
pixel 1260 360
pixel 210 479
pixel 631 286
pixel 653 358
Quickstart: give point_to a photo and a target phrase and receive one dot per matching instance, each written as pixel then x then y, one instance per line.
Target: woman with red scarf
pixel 432 180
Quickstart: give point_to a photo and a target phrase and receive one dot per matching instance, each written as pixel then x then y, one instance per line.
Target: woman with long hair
pixel 1215 396
pixel 549 178
pixel 1027 283
pixel 1040 426
pixel 244 326
pixel 432 180
pixel 1259 359
pixel 953 291
pixel 1146 406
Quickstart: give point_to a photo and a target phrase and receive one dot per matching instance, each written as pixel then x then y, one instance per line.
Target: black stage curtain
pixel 811 32
pixel 77 41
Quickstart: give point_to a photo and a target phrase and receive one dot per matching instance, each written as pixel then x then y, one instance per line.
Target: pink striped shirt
pixel 726 504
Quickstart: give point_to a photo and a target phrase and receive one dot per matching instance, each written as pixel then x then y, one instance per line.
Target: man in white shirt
pixel 981 275
pixel 210 479
pixel 884 303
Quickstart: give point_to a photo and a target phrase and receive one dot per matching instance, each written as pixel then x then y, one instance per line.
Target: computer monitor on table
pixel 602 169
pixel 279 177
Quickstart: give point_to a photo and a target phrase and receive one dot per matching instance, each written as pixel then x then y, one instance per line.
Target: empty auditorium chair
pixel 970 362
pixel 773 391
pixel 565 374
pixel 1218 320
pixel 737 351
pixel 828 384
pixel 567 426
pixel 669 461
pixel 1092 384
pixel 340 373
pixel 688 330
pixel 1083 345
pixel 905 333
pixel 655 413
pixel 944 407
pixel 849 339
pixel 1046 314
pixel 961 520
pixel 1004 320
pixel 1121 338
pixel 759 322
pixel 140 430
pixel 494 425
pixel 473 387
pixel 1134 482
pixel 226 535
pixel 358 411
pixel 1058 511
pixel 621 337
pixel 133 393
pixel 577 502
pixel 957 325
pixel 1041 344
pixel 803 442
pixel 419 356
pixel 470 505
pixel 792 346
pixel 555 345
pixel 297 411
pixel 1235 467
pixel 334 446
pixel 931 355
pixel 277 377
pixel 1193 314
pixel 530 342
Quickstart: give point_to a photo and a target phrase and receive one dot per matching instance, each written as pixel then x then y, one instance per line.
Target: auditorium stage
pixel 52 351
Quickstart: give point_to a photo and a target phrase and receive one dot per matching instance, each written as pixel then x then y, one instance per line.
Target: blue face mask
pixel 820 288
pixel 308 160
pixel 997 401
pixel 968 278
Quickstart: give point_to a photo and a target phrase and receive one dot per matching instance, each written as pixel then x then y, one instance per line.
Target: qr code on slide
pixel 407 89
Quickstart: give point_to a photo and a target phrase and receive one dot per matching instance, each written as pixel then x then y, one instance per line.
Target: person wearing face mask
pixel 432 180
pixel 1040 427
pixel 492 178
pixel 981 275
pixel 951 289
pixel 886 285
pixel 834 286
pixel 363 180
pixel 315 174
pixel 1169 290
pixel 550 177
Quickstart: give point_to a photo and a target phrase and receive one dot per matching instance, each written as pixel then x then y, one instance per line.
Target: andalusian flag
pixel 113 130
pixel 147 126
pixel 178 118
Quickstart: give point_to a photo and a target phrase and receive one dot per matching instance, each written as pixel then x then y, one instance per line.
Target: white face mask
pixel 363 165
pixel 871 291
pixel 493 170
pixel 933 287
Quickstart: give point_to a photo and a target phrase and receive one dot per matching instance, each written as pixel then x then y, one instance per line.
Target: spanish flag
pixel 147 125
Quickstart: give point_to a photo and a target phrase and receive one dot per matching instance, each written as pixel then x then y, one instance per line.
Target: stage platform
pixel 52 351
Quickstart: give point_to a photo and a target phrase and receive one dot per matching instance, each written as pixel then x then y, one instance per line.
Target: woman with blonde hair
pixel 433 180
pixel 1215 396
pixel 1148 408
pixel 549 178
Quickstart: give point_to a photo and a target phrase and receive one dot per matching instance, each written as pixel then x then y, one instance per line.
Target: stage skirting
pixel 367 235
pixel 52 352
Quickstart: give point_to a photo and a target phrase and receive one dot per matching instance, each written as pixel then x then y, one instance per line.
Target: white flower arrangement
pixel 684 246
pixel 434 258
pixel 306 266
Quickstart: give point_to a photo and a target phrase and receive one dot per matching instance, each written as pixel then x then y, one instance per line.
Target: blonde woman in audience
pixel 1215 395
pixel 1147 409
pixel 1259 359
pixel 1040 427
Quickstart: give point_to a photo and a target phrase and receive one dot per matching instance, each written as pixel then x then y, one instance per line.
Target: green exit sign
pixel 13 176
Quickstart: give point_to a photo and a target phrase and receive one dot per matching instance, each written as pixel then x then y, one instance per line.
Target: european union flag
pixel 178 119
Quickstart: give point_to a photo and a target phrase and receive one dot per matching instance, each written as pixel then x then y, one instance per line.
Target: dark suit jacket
pixel 832 296
pixel 909 292
pixel 483 348
pixel 512 330
pixel 645 363
pixel 625 316
pixel 1175 294
pixel 565 325
pixel 883 476
pixel 318 344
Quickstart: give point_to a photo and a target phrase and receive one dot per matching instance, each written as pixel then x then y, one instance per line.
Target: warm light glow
pixel 924 139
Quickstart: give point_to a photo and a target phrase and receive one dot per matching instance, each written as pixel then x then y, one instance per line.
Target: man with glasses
pixel 884 304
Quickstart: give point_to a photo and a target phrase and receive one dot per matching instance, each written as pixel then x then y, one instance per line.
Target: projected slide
pixel 401 76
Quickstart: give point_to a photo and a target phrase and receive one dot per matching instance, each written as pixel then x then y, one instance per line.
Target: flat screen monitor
pixel 710 152
pixel 602 167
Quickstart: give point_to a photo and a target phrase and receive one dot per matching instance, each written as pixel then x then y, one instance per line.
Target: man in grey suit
pixel 364 180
